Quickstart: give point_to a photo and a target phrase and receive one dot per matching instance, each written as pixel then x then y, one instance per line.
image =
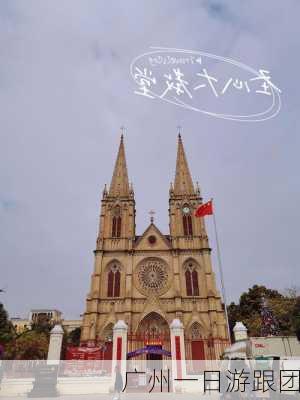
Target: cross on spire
pixel 151 213
pixel 122 130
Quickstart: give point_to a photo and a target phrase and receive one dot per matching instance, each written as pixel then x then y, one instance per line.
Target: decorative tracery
pixel 187 221
pixel 195 331
pixel 116 222
pixel 191 279
pixel 113 281
pixel 152 276
pixel 154 329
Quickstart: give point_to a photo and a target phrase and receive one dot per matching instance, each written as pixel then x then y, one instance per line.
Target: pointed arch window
pixel 188 282
pixel 116 222
pixel 191 280
pixel 187 221
pixel 113 281
pixel 110 284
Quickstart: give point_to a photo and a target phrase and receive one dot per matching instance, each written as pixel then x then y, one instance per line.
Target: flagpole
pixel 221 275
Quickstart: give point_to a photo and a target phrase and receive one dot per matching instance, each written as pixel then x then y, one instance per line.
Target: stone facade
pixel 152 279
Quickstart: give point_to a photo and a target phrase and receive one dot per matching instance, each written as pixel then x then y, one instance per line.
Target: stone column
pixel 56 338
pixel 119 348
pixel 177 350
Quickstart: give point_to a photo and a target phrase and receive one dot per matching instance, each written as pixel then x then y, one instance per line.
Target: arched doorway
pixel 194 347
pixel 151 340
pixel 197 344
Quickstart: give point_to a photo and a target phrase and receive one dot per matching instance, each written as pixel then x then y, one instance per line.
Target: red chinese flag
pixel 204 209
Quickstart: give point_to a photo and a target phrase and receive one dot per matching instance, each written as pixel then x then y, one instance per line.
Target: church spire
pixel 119 184
pixel 183 182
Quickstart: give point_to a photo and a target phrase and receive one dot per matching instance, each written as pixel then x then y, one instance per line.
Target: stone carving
pixel 152 276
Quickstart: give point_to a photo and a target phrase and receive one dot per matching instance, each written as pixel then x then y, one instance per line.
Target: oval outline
pixel 233 117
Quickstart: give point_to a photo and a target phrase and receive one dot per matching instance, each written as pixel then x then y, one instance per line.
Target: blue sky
pixel 65 90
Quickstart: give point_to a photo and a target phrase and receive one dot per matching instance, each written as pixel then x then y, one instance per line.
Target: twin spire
pixel 183 184
pixel 119 184
pixel 183 181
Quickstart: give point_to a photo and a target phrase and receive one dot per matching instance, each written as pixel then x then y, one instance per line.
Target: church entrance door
pixel 151 340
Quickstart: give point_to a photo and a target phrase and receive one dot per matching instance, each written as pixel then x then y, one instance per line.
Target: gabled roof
pixel 161 242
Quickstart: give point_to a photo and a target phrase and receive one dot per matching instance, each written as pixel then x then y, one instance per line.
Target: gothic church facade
pixel 149 280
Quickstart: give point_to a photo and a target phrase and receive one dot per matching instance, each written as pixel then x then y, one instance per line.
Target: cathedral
pixel 151 279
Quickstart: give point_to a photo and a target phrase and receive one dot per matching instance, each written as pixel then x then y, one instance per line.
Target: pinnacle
pixel 119 184
pixel 183 181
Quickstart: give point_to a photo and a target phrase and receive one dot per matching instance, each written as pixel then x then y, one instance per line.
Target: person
pixel 118 383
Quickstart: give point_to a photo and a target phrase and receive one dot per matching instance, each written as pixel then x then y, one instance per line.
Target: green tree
pixel 248 310
pixel 6 327
pixel 296 318
pixel 74 337
pixel 30 345
pixel 70 339
pixel 234 315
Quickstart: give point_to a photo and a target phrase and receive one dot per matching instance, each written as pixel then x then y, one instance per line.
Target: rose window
pixel 152 276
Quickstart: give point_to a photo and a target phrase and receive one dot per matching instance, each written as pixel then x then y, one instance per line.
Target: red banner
pixel 84 353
